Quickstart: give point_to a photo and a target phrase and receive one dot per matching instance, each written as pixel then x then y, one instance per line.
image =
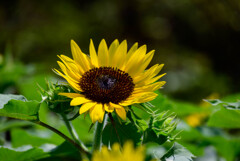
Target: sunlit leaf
pixel 20 108
pixel 35 138
pixel 122 133
pixel 4 98
pixel 22 154
pixel 225 118
pixel 177 153
pixel 214 102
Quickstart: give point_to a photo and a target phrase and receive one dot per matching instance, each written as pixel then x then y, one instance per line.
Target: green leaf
pixel 160 128
pixel 20 108
pixel 28 86
pixel 231 98
pixel 65 149
pixel 177 153
pixel 63 152
pixel 234 105
pixel 14 123
pixel 32 137
pixel 4 98
pixel 137 121
pixel 151 136
pixel 228 105
pixel 226 147
pixel 181 108
pixel 214 102
pixel 125 132
pixel 21 154
pixel 225 118
pixel 81 125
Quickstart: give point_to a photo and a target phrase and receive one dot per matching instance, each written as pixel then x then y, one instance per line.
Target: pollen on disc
pixel 106 84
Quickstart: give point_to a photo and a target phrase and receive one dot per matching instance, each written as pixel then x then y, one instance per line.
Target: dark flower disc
pixel 106 84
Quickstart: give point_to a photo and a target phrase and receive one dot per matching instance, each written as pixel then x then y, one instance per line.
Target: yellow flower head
pixel 127 154
pixel 110 79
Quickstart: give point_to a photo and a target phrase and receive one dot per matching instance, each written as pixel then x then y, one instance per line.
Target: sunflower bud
pixel 56 102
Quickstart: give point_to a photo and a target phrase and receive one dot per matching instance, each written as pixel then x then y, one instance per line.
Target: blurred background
pixel 197 40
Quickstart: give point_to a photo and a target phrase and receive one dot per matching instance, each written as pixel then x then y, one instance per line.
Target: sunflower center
pixel 106 84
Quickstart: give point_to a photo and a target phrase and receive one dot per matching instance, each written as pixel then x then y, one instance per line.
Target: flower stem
pixel 63 136
pixel 98 134
pixel 72 132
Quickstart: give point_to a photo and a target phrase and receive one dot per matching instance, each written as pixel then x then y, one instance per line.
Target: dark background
pixel 197 40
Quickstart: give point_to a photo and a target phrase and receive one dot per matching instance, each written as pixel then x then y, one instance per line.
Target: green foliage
pixel 36 138
pixel 177 153
pixel 226 116
pixel 28 85
pixel 180 108
pixel 160 128
pixel 120 133
pixel 152 124
pixel 65 150
pixel 20 108
pixel 10 71
pixel 8 125
pixel 227 105
pixel 22 155
pixel 56 102
pixel 197 139
pixel 7 97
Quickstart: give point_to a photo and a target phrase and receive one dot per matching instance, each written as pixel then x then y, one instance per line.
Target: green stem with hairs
pixel 63 136
pixel 98 134
pixel 72 132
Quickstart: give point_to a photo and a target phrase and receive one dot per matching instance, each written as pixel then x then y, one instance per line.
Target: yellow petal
pixel 114 105
pixel 149 88
pixel 74 85
pixel 103 53
pixel 71 64
pixel 118 58
pixel 147 60
pixel 132 50
pixel 155 79
pixel 71 95
pixel 127 103
pixel 80 58
pixel 135 61
pixel 93 54
pixel 69 73
pixel 121 113
pixel 145 97
pixel 158 70
pixel 97 113
pixel 142 64
pixel 108 108
pixel 141 79
pixel 78 101
pixel 85 107
pixel 148 97
pixel 139 98
pixel 132 99
pixel 112 49
pixel 116 147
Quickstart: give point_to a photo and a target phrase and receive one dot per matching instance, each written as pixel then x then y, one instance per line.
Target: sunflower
pixel 109 79
pixel 128 153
